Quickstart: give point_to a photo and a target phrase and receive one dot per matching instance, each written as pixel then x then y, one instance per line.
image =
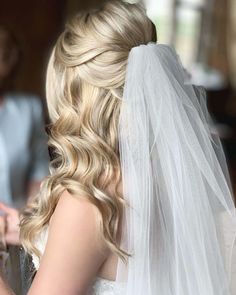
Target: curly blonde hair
pixel 85 81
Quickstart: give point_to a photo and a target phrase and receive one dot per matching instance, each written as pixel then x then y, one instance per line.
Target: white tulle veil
pixel 175 180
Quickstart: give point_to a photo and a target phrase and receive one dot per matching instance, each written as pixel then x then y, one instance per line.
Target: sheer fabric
pixel 175 180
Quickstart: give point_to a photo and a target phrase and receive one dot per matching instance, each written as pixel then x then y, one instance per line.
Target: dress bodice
pixel 99 286
pixel 102 286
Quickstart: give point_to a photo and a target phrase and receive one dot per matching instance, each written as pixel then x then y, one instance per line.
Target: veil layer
pixel 176 182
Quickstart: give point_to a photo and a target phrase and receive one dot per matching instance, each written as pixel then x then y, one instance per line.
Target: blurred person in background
pixel 23 151
pixel 23 148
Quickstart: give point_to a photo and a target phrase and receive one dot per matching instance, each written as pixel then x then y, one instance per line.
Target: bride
pixel 138 200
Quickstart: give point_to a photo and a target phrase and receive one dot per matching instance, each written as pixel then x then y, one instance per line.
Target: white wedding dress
pixel 100 286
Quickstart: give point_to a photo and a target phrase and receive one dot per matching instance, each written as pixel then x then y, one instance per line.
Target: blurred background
pixel 203 32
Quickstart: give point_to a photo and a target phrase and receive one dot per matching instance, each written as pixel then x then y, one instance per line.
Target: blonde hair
pixel 85 80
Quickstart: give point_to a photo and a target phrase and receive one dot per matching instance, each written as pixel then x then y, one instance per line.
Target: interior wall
pixel 232 41
pixel 36 25
pixel 217 54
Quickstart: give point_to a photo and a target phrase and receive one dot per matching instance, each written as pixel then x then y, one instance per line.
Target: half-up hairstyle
pixel 85 81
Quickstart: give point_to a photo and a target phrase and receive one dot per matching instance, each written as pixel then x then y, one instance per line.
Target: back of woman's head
pixel 85 81
pixel 93 51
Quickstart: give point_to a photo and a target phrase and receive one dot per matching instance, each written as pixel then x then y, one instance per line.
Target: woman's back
pixel 104 281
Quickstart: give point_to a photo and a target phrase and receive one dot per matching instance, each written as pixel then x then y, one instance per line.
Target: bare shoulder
pixel 74 250
pixel 69 200
pixel 77 213
pixel 69 204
